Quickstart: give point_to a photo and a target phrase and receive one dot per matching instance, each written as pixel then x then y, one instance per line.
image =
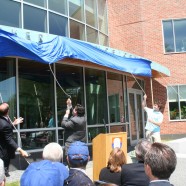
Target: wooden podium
pixel 102 146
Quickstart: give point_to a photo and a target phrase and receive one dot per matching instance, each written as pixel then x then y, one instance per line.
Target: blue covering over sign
pixel 59 48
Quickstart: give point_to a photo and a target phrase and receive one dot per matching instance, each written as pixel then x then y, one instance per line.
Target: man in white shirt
pixel 154 120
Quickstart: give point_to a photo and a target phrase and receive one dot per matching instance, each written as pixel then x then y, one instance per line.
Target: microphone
pixel 105 125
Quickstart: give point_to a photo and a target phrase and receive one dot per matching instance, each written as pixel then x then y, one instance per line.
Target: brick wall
pixel 135 26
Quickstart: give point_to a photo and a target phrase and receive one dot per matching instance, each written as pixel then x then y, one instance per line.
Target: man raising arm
pixel 154 120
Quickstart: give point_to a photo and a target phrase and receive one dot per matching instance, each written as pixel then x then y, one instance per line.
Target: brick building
pixel 142 28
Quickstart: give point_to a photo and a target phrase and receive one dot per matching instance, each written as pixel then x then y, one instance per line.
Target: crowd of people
pixel 155 160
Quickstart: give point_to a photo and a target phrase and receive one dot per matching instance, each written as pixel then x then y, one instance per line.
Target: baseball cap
pixel 43 173
pixel 78 151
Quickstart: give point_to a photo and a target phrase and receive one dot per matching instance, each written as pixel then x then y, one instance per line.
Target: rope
pixel 170 86
pixel 138 83
pixel 58 82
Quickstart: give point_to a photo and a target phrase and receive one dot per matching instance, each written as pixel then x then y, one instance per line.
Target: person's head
pixel 160 161
pixel 4 108
pixel 53 152
pixel 2 173
pixel 116 160
pixel 157 106
pixel 141 149
pixel 79 110
pixel 78 155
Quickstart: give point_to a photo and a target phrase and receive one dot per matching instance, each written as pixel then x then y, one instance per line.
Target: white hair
pixel 2 171
pixel 53 152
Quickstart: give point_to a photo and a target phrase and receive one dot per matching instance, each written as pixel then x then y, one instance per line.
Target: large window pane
pixel 93 132
pixel 76 9
pixel 96 97
pixel 173 102
pixel 115 96
pixel 77 30
pixel 92 35
pixel 37 139
pixel 38 21
pixel 37 2
pixel 174 110
pixel 10 13
pixel 173 93
pixel 103 39
pixel 182 92
pixel 168 36
pixel 90 10
pixel 71 80
pixel 180 34
pixel 58 25
pixel 102 16
pixel 8 84
pixel 58 6
pixel 36 95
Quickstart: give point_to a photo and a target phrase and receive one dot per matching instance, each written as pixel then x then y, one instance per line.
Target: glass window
pixel 93 132
pixel 102 16
pixel 96 97
pixel 177 102
pixel 115 97
pixel 38 3
pixel 71 80
pixel 37 139
pixel 58 25
pixel 58 6
pixel 76 10
pixel 174 35
pixel 90 10
pixel 168 36
pixel 36 95
pixel 77 30
pixel 92 35
pixel 103 39
pixel 38 21
pixel 180 35
pixel 10 13
pixel 8 84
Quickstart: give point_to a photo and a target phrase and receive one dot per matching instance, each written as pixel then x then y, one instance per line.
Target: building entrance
pixel 136 115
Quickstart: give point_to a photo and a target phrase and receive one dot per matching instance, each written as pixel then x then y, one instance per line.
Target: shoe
pixel 7 174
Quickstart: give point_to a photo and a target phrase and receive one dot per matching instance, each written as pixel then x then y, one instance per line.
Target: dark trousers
pixel 6 163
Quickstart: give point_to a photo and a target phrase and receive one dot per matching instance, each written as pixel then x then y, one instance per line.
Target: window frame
pixel 174 37
pixel 179 102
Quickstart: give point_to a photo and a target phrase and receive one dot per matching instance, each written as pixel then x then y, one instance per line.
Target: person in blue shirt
pixel 49 171
pixel 154 120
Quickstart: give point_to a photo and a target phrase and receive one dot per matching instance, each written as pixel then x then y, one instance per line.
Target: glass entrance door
pixel 136 116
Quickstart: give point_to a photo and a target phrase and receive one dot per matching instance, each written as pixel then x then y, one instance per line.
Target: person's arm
pixel 11 143
pixel 66 122
pixel 17 121
pixel 144 103
pixel 158 123
pixel 22 152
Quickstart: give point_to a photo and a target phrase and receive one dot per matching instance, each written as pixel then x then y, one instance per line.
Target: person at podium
pixel 112 173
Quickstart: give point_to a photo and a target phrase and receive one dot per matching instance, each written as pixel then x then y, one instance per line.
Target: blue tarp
pixel 60 48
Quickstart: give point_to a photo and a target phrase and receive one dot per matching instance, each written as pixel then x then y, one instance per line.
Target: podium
pixel 102 146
